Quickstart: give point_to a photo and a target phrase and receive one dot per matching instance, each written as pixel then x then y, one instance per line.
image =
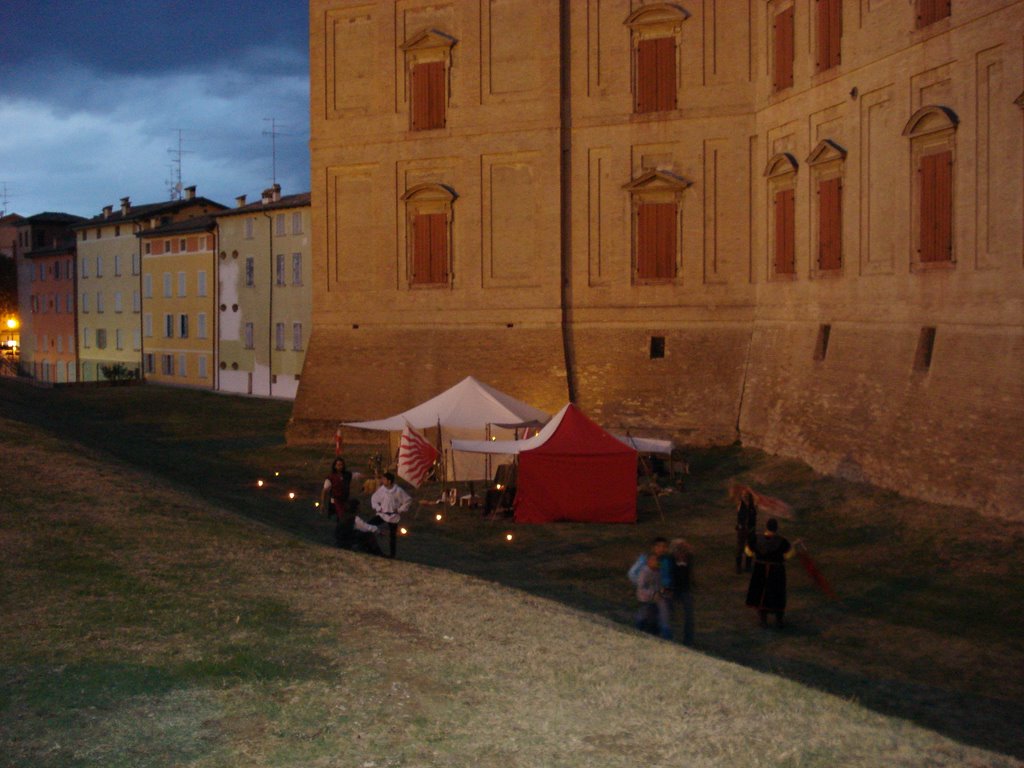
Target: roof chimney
pixel 276 191
pixel 126 205
pixel 107 210
pixel 240 201
pixel 190 192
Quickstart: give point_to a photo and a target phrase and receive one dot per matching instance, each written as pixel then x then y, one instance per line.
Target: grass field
pixel 148 621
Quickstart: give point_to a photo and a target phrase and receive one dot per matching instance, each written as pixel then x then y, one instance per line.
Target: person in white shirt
pixel 389 501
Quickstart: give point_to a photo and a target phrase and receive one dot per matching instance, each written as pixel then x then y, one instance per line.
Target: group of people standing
pixel 663 576
pixel 351 531
pixel 664 580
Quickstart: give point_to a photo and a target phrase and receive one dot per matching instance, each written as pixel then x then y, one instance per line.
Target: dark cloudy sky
pixel 93 93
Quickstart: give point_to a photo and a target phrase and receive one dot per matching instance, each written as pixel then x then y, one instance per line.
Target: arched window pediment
pixel 430 193
pixel 657 14
pixel 826 151
pixel 931 119
pixel 781 164
pixel 429 39
pixel 657 181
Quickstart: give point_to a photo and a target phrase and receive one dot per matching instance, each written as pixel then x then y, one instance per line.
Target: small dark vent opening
pixel 657 347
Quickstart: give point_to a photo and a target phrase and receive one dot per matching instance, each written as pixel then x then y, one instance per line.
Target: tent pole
pixel 648 475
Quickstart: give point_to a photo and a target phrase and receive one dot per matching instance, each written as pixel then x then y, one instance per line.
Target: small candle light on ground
pixel 316 504
pixel 438 517
pixel 277 474
pixel 259 483
pixel 291 494
pixel 403 531
pixel 508 537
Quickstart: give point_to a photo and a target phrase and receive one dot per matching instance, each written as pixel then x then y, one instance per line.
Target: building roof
pixel 52 217
pixel 194 224
pixel 287 201
pixel 11 219
pixel 145 211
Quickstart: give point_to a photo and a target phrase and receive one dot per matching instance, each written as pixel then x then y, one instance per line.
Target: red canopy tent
pixel 572 471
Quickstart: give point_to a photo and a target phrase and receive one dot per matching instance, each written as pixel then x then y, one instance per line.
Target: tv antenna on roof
pixel 174 183
pixel 3 199
pixel 273 133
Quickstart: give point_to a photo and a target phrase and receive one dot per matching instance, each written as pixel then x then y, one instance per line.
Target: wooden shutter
pixel 784 46
pixel 829 28
pixel 428 96
pixel 438 247
pixel 436 90
pixel 646 76
pixel 937 207
pixel 830 218
pixel 931 11
pixel 785 226
pixel 665 73
pixel 656 241
pixel 421 249
pixel 835 32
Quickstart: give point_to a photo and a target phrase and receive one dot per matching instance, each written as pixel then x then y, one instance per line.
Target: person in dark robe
pixel 767 591
pixel 334 500
pixel 746 524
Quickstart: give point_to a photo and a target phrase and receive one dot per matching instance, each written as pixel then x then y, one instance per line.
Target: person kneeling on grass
pixel 389 501
pixel 352 532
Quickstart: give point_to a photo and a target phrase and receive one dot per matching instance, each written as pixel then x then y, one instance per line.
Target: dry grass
pixel 144 626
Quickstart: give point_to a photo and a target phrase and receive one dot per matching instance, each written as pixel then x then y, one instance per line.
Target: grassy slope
pixel 131 604
pixel 144 627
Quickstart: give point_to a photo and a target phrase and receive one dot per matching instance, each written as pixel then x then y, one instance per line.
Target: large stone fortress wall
pixel 876 364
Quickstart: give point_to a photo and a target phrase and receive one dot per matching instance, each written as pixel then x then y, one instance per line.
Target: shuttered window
pixel 656 75
pixel 656 241
pixel 830 223
pixel 428 96
pixel 930 11
pixel 430 248
pixel 785 231
pixel 937 207
pixel 783 39
pixel 829 33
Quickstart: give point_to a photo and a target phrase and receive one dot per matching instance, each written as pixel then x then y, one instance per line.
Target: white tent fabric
pixel 514 447
pixel 470 404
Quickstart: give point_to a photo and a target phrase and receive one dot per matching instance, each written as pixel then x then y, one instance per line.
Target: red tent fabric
pixel 579 474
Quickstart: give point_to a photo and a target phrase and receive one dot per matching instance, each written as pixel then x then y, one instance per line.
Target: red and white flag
pixel 416 457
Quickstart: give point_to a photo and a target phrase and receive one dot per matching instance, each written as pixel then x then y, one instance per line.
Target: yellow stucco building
pixel 109 280
pixel 265 280
pixel 179 302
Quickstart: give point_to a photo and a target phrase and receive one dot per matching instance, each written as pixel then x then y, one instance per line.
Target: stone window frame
pixel 780 175
pixel 826 162
pixel 428 46
pixel 653 187
pixel 931 130
pixel 426 199
pixel 654 22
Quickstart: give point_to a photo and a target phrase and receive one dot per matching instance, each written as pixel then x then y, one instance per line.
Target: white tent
pixel 513 447
pixel 470 409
